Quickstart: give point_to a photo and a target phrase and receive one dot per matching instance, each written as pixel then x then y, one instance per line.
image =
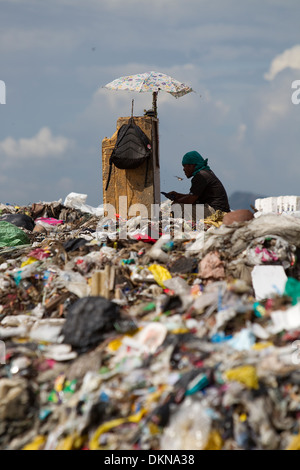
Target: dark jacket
pixel 209 189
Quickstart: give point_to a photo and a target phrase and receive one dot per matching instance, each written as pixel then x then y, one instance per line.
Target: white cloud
pixel 273 106
pixel 42 145
pixel 290 58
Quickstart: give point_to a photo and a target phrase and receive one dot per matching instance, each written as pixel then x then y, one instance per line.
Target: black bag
pixel 20 220
pixel 88 321
pixel 91 320
pixel 132 149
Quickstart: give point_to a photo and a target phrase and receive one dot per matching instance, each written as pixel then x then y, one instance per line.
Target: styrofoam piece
pixel 278 204
pixel 268 280
pixel 266 205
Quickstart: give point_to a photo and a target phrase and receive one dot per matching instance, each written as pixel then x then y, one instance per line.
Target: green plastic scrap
pixel 292 289
pixel 11 235
pixel 149 307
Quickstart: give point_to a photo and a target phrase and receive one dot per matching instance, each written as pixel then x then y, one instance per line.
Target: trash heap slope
pixel 152 343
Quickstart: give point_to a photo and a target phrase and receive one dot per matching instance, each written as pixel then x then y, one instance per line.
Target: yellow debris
pixel 36 444
pixel 72 442
pixel 29 260
pixel 160 274
pixel 215 219
pixel 94 445
pixel 244 374
pixel 295 443
pixel 214 442
pixel 262 345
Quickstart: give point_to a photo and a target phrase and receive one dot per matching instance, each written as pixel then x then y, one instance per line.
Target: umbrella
pixel 150 82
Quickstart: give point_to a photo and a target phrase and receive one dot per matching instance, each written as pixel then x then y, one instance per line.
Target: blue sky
pixel 240 56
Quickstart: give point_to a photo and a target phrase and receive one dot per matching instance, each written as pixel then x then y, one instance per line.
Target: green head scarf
pixel 194 158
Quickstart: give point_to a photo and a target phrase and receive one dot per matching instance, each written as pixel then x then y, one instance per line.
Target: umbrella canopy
pixel 150 82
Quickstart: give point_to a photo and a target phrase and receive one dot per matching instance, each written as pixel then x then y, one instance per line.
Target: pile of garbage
pixel 147 342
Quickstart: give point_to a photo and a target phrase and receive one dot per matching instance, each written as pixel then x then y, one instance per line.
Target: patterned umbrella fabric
pixel 150 82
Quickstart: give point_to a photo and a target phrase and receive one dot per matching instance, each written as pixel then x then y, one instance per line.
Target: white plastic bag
pixel 77 201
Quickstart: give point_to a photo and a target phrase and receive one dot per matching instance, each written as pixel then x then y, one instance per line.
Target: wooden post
pixel 131 183
pixel 154 103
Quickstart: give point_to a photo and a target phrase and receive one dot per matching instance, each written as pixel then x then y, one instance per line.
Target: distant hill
pixel 243 200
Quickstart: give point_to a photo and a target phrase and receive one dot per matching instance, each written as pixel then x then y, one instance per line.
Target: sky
pixel 241 57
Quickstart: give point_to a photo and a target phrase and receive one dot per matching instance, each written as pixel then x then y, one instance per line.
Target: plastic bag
pixel 160 274
pixel 88 320
pixel 20 220
pixel 189 428
pixel 77 201
pixel 156 253
pixel 74 282
pixel 11 235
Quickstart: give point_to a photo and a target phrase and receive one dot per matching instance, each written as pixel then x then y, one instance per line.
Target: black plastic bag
pixel 20 220
pixel 74 244
pixel 89 320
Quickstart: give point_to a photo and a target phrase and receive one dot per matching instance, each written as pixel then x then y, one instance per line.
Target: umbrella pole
pixel 154 103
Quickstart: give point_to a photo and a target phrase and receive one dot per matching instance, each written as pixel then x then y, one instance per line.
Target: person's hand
pixel 172 195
